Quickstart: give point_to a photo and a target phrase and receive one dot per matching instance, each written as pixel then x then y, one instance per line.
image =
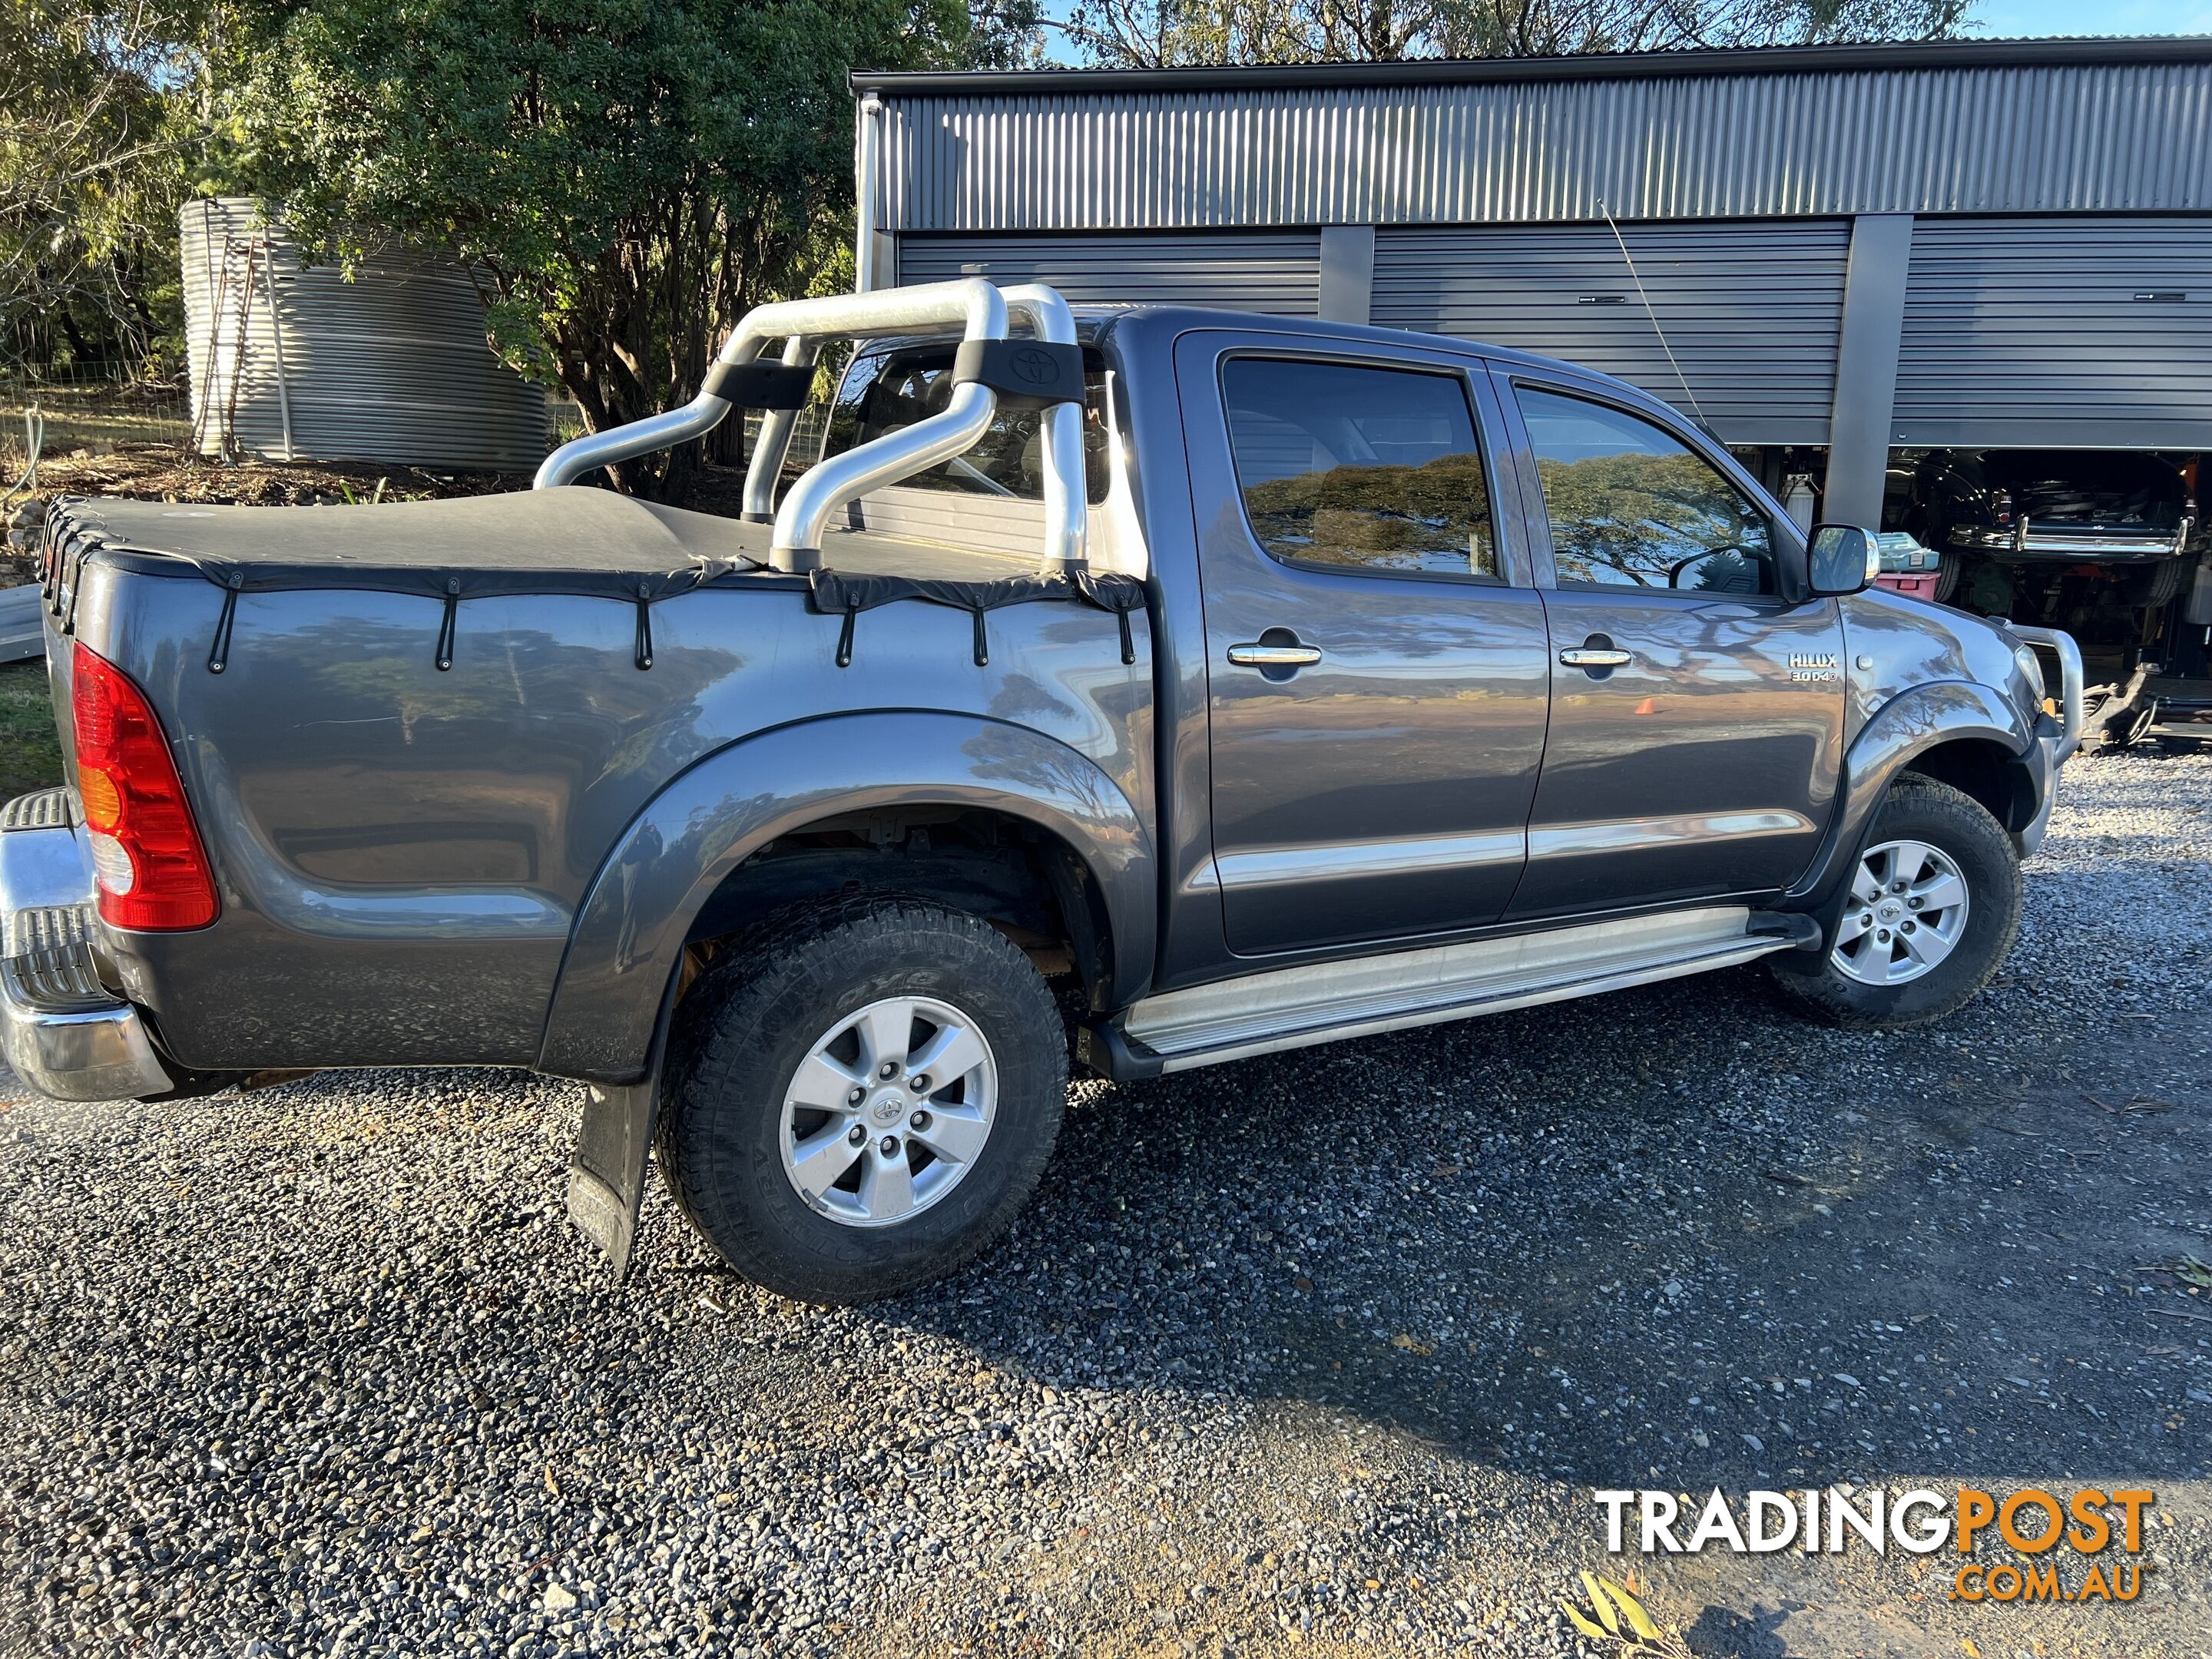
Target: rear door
pixel 1697 693
pixel 1376 656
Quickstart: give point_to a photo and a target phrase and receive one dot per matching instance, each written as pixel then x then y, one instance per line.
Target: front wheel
pixel 1933 909
pixel 863 1096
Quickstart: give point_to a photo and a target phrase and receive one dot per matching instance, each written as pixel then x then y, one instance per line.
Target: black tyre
pixel 1948 566
pixel 861 1098
pixel 1934 907
pixel 2161 582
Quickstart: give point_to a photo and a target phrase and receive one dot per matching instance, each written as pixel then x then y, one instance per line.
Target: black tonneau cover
pixel 574 540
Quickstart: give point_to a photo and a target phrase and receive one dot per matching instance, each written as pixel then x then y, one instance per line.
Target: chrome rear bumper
pixel 63 1031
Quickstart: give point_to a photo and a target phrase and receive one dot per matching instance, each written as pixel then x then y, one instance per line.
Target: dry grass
pixel 165 472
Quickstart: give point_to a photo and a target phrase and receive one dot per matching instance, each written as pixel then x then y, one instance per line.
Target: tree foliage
pixel 1164 33
pixel 626 177
pixel 1627 518
pixel 97 128
pixel 1433 516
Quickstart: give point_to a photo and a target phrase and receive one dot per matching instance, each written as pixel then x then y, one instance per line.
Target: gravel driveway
pixel 1317 1353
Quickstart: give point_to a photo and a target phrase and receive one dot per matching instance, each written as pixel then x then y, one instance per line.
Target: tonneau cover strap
pixel 219 652
pixel 447 628
pixel 837 593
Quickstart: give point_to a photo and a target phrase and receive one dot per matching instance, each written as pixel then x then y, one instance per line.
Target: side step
pixel 1322 1002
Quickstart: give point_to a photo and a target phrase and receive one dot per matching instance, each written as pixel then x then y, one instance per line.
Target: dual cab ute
pixel 1157 688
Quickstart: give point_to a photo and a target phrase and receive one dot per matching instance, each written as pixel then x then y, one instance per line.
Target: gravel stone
pixel 1321 1352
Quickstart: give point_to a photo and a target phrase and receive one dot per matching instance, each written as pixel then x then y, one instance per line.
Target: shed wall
pixel 1278 273
pixel 2098 137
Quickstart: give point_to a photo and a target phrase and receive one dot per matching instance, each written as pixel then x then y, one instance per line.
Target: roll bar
pixel 984 312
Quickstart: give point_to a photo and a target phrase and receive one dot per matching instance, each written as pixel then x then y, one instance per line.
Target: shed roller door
pixel 1753 311
pixel 2065 333
pixel 1276 273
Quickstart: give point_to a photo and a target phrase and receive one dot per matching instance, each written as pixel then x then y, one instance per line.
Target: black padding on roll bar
pixel 1023 373
pixel 760 386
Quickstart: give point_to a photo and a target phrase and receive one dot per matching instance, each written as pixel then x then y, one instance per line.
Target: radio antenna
pixel 1627 260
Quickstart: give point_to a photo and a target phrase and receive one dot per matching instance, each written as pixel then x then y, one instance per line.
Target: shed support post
pixel 1866 368
pixel 875 255
pixel 883 267
pixel 1347 273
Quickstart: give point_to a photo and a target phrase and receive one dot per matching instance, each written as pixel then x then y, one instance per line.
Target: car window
pixel 884 391
pixel 1630 506
pixel 1361 469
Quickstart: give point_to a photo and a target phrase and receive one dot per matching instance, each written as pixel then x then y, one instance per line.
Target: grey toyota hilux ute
pixel 1143 689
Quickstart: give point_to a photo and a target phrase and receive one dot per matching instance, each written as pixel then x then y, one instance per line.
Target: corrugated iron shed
pixel 2104 126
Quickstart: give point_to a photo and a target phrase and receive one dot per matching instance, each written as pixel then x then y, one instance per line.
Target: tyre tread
pixel 1820 990
pixel 808 953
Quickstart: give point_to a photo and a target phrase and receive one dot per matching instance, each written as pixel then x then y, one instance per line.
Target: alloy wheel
pixel 889 1111
pixel 1906 911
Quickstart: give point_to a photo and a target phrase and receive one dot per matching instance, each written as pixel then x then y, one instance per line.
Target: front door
pixel 1376 658
pixel 1697 699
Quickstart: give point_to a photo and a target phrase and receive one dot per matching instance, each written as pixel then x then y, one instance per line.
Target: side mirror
pixel 1844 559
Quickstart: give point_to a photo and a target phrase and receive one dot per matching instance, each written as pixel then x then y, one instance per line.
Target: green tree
pixel 626 177
pixel 1158 34
pixel 98 125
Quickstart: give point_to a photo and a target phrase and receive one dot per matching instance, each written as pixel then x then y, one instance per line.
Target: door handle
pixel 1275 656
pixel 1583 656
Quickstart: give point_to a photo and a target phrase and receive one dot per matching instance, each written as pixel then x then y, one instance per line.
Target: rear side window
pixel 884 391
pixel 1351 468
pixel 1630 506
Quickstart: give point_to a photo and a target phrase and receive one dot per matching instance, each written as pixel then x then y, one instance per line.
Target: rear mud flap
pixel 606 1176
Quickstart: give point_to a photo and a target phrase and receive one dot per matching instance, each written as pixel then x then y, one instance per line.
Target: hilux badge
pixel 1804 667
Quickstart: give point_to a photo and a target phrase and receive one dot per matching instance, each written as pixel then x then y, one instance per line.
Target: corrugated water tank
pixel 293 361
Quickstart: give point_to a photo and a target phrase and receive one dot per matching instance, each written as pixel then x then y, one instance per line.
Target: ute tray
pixel 573 540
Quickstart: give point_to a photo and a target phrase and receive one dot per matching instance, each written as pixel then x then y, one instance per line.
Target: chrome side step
pixel 1322 1002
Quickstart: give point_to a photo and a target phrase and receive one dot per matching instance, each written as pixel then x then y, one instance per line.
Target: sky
pixel 2000 18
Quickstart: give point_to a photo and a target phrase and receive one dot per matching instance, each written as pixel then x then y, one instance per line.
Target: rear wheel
pixel 862 1098
pixel 1933 909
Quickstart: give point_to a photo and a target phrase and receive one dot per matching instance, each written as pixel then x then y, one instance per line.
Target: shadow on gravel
pixel 1671 1233
pixel 1720 1634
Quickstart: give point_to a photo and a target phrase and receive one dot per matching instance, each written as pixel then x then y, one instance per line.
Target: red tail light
pixel 2000 504
pixel 151 870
